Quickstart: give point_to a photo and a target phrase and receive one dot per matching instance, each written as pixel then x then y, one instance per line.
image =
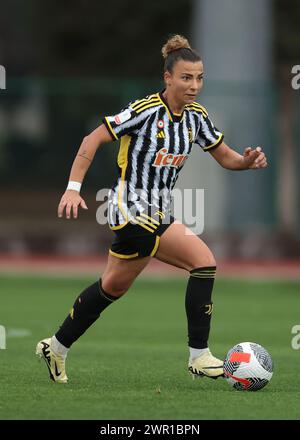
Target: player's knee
pixel 114 286
pixel 207 260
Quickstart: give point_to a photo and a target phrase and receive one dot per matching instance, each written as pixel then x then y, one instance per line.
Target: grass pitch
pixel 132 363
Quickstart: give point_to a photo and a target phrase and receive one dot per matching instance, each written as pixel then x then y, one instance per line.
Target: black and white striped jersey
pixel 155 143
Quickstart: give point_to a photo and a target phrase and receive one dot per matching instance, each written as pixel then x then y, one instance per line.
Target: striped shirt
pixel 155 144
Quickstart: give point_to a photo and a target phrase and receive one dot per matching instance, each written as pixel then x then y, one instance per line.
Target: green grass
pixel 132 363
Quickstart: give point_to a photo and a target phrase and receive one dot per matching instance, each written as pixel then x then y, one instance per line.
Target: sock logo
pixel 209 309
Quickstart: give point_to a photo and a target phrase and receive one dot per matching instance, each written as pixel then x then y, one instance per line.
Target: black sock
pixel 86 310
pixel 198 305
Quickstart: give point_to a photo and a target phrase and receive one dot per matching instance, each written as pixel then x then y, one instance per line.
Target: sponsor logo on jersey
pixel 163 159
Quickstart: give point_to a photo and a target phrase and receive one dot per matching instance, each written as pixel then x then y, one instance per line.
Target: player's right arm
pixel 71 199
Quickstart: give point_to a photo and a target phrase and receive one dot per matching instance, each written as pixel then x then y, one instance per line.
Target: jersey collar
pixel 175 117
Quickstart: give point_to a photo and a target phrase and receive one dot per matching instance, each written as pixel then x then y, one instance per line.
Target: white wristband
pixel 75 186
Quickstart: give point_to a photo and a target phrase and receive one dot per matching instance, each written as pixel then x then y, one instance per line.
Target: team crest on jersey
pixel 122 117
pixel 191 135
pixel 163 159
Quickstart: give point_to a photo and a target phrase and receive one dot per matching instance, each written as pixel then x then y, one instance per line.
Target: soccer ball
pixel 248 367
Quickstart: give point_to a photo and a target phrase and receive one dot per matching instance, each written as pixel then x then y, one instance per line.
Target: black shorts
pixel 139 240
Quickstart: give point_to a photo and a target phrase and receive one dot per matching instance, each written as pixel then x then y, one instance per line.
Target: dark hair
pixel 178 48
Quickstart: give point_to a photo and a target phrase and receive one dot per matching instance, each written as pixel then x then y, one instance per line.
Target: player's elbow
pixel 86 139
pixel 89 143
pixel 97 137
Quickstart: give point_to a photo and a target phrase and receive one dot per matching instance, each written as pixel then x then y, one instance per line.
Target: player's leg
pixel 180 247
pixel 120 273
pixel 118 276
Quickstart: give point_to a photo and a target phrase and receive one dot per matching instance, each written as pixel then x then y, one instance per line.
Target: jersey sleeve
pixel 208 136
pixel 125 122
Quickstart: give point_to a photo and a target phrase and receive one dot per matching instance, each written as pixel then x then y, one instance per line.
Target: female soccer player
pixel 156 134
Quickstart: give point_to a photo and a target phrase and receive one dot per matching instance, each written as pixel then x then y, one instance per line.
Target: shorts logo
pixel 160 214
pixel 162 159
pixel 122 117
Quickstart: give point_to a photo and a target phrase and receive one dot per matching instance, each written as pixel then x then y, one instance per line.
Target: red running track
pixel 64 265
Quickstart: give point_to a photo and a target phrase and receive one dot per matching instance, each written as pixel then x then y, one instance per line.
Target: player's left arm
pixel 232 160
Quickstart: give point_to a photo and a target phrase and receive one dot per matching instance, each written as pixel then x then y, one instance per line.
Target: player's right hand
pixel 70 201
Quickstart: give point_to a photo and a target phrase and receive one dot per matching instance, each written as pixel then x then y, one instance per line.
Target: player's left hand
pixel 255 159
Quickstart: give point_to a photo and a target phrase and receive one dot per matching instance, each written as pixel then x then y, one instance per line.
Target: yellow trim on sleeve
pixel 111 129
pixel 213 145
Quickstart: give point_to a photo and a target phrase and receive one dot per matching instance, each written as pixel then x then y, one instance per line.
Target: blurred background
pixel 70 63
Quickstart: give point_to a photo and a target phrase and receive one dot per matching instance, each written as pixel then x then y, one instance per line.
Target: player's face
pixel 186 81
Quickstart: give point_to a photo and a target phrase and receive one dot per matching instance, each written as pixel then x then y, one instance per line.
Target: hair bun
pixel 174 43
